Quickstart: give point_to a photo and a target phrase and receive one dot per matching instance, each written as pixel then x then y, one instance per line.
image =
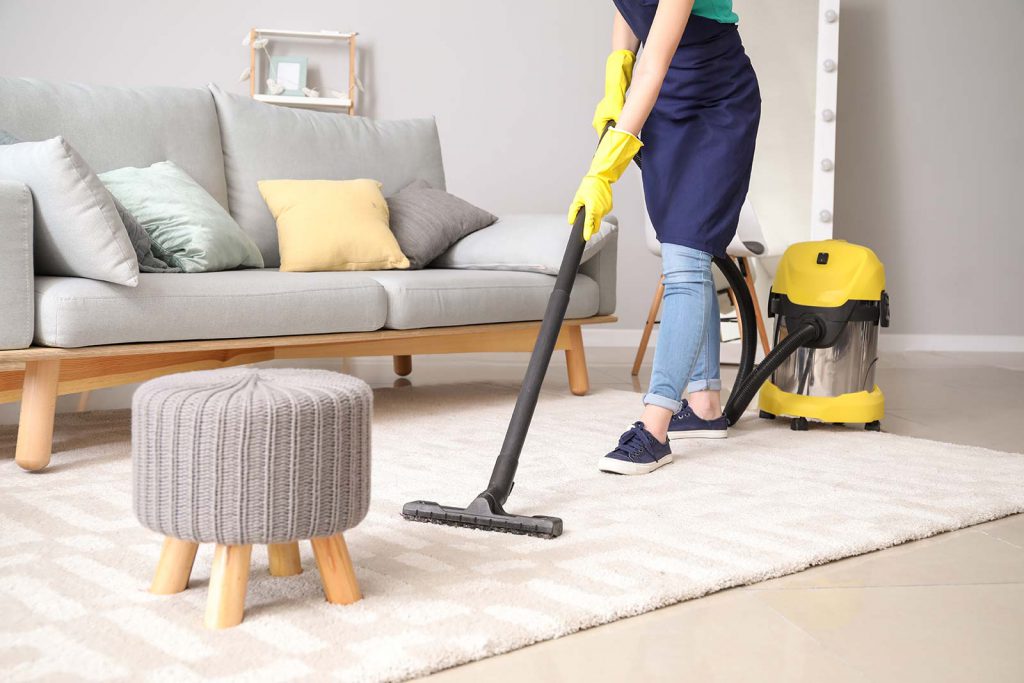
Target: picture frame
pixel 289 72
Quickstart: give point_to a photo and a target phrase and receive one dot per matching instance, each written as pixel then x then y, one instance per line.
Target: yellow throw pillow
pixel 332 225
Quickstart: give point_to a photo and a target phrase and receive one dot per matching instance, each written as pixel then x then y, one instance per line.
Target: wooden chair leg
pixel 38 407
pixel 284 559
pixel 336 572
pixel 576 361
pixel 83 402
pixel 403 365
pixel 652 317
pixel 175 566
pixel 762 332
pixel 736 308
pixel 229 578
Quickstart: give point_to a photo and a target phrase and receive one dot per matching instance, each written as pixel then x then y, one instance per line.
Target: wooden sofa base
pixel 38 375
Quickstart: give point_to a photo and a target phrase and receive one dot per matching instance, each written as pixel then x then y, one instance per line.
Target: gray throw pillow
pixel 76 228
pixel 533 243
pixel 148 263
pixel 426 221
pixel 189 229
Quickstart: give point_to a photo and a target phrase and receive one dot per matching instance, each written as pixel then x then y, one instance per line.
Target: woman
pixel 694 101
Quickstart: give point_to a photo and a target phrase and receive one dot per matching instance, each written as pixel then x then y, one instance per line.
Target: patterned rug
pixel 74 564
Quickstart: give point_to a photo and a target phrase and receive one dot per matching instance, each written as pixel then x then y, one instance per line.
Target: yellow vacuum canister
pixel 839 289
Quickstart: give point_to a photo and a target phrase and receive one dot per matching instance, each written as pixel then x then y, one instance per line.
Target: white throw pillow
pixel 77 230
pixel 530 242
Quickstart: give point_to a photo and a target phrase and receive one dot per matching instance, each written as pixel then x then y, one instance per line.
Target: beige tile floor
pixel 948 608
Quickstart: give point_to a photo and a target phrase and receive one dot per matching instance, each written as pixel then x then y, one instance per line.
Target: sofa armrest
pixel 602 268
pixel 16 266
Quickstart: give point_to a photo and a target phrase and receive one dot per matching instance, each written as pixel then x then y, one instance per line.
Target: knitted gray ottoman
pixel 247 456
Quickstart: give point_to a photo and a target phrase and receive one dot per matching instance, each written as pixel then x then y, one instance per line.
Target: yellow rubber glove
pixel 612 158
pixel 618 72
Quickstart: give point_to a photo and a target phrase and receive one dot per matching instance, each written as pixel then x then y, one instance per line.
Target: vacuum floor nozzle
pixel 482 514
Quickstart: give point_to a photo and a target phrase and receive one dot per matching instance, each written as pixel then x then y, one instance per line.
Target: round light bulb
pixel 825 216
pixel 828 115
pixel 831 16
pixel 827 165
pixel 829 65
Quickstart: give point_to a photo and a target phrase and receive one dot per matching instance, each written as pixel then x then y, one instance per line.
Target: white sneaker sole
pixel 700 434
pixel 622 467
pixel 674 437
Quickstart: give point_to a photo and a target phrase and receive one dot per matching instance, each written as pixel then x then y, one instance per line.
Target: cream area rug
pixel 75 565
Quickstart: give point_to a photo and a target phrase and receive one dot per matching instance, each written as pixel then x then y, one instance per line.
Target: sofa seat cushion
pixel 73 312
pixel 440 297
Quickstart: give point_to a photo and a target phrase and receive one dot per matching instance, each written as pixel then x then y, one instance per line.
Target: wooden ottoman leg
pixel 225 603
pixel 38 407
pixel 284 559
pixel 336 572
pixel 175 566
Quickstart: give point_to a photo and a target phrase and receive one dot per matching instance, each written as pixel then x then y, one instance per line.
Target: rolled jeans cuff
pixel 663 402
pixel 704 385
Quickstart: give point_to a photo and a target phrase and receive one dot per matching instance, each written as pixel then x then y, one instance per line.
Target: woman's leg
pixel 685 319
pixel 705 385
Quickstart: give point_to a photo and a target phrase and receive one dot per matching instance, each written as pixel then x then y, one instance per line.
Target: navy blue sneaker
pixel 687 425
pixel 638 452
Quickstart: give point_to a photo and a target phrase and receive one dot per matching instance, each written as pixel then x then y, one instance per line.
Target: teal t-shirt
pixel 717 10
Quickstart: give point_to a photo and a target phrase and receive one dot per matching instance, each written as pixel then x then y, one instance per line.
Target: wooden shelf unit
pixel 348 103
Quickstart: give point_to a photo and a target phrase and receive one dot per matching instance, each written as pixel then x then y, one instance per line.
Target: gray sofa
pixel 61 335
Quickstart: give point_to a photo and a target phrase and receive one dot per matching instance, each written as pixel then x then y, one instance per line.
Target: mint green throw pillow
pixel 189 229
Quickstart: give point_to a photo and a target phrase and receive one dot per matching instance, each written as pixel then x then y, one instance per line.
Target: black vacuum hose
pixel 741 398
pixel 745 315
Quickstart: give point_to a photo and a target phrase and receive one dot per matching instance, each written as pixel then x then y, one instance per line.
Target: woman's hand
pixel 594 195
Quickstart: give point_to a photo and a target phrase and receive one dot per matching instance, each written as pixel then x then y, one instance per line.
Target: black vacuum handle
pixel 505 467
pixel 504 472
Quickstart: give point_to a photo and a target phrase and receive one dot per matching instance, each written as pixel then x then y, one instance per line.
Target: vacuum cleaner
pixel 828 301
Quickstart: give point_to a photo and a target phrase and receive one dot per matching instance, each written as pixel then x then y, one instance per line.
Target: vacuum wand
pixel 486 511
pixel 504 472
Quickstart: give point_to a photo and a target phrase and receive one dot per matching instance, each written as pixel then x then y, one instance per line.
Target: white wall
pixel 930 169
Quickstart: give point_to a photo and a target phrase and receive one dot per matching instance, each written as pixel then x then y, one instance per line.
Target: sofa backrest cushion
pixel 267 142
pixel 116 127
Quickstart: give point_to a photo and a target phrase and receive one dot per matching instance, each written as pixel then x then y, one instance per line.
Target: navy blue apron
pixel 699 139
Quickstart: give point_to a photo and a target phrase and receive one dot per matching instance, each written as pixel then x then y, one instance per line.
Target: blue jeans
pixel 686 357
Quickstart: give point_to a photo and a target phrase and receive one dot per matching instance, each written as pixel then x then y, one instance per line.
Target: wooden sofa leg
pixel 38 407
pixel 576 361
pixel 403 365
